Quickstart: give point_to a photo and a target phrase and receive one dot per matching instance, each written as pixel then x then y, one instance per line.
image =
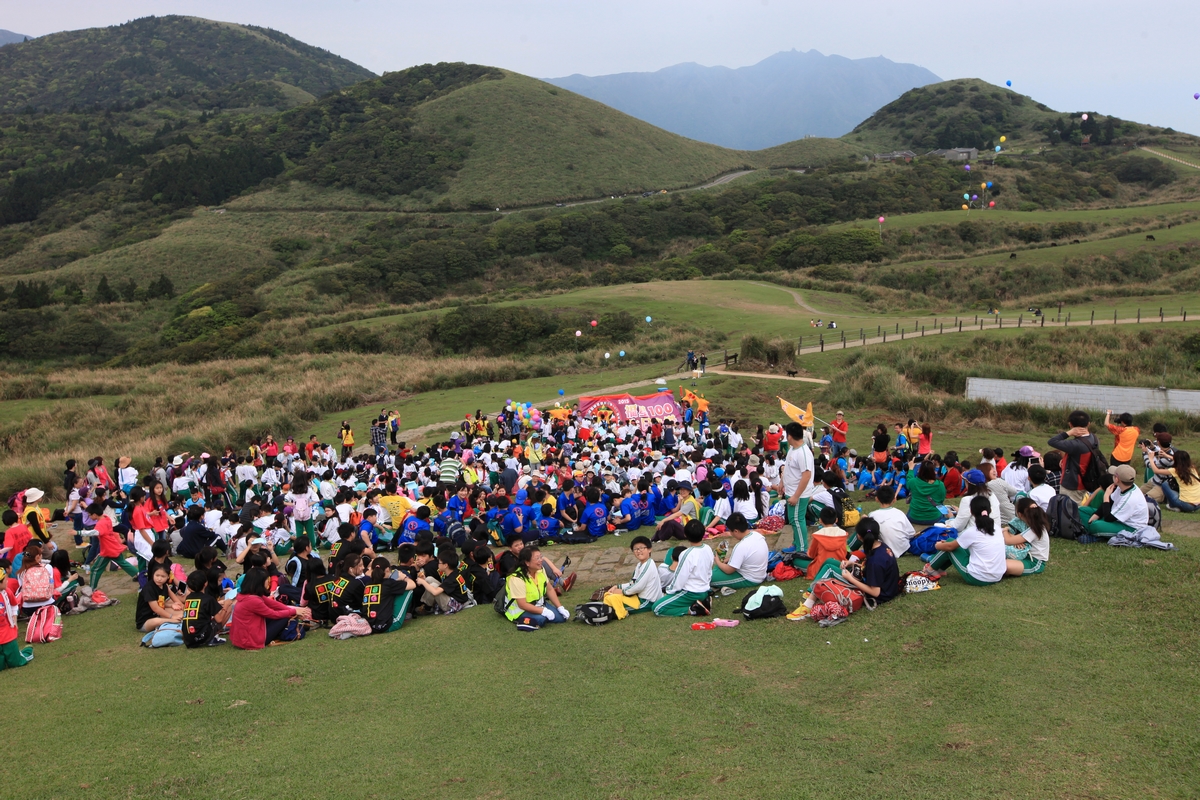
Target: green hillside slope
pixel 532 142
pixel 974 113
pixel 161 55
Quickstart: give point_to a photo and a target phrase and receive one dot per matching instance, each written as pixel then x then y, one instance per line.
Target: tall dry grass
pixel 169 408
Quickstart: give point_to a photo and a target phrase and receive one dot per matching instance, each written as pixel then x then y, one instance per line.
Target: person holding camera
pixel 1179 483
pixel 1156 452
pixel 1126 434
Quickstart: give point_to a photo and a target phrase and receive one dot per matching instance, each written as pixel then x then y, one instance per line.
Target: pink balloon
pixel 881 220
pixel 1085 117
pixel 579 333
pixel 992 204
pixel 594 323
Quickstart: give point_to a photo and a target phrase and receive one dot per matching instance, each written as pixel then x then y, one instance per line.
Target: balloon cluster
pixel 527 413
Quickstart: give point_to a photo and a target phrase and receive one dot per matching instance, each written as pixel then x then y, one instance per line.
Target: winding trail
pixel 795 296
pixel 1170 158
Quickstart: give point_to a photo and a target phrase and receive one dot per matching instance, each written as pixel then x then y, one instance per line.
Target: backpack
pixel 501 603
pixel 594 613
pixel 44 626
pixel 169 634
pixel 576 538
pixel 923 543
pixel 1094 475
pixel 832 591
pixel 456 532
pixel 1064 517
pixel 770 605
pixel 37 585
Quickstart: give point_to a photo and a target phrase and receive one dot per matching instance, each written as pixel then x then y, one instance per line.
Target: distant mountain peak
pixel 786 96
pixel 8 37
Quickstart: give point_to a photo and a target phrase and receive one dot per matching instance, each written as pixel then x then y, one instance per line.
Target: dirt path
pixel 736 374
pixel 795 296
pixel 1170 158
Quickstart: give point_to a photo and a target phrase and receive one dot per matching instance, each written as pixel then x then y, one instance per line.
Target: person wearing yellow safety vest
pixel 532 601
pixel 346 434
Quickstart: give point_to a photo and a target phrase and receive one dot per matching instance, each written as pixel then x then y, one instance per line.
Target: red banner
pixel 626 408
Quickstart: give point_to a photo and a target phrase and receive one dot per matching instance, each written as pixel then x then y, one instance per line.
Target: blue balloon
pixel 966 197
pixel 997 148
pixel 647 319
pixel 1008 83
pixel 621 354
pixel 561 392
pixel 989 184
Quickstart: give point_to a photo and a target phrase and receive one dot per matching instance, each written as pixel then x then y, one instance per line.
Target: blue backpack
pixel 923 543
pixel 169 634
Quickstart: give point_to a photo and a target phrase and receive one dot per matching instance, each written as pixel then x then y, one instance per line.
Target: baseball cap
pixel 974 476
pixel 1028 452
pixel 1123 472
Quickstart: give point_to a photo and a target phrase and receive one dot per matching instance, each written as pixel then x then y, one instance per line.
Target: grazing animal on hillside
pixel 791 373
pixel 1150 238
pixel 1054 244
pixel 1074 241
pixel 1012 255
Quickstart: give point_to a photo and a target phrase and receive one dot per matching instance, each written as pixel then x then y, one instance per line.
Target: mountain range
pixel 784 97
pixel 8 37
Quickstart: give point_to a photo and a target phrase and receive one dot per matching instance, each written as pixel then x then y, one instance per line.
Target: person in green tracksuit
pixel 926 493
pixel 798 487
pixel 747 565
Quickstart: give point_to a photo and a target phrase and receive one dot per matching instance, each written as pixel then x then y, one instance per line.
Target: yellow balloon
pixel 1003 139
pixel 964 206
pixel 983 186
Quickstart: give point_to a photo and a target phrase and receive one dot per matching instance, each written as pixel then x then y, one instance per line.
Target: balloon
pixel 964 206
pixel 966 197
pixel 594 323
pixel 881 220
pixel 621 354
pixel 983 186
pixel 558 405
pixel 579 333
pixel 1085 117
pixel 1196 95
pixel 509 407
pixel 1003 139
pixel 1008 83
pixel 992 204
pixel 997 148
pixel 606 355
pixel 974 197
pixel 989 184
pixel 647 319
pixel 561 392
pixel 967 167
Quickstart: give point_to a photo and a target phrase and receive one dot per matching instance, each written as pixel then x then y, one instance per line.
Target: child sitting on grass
pixel 203 615
pixel 645 587
pixel 692 577
pixel 828 542
pixel 154 603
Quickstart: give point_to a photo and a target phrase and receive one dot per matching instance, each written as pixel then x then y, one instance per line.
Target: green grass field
pixel 1069 684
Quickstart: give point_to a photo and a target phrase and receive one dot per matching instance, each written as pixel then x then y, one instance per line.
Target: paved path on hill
pixel 1170 158
pixel 768 375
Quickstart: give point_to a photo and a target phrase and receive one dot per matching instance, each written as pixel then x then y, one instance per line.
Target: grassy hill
pixel 974 113
pixel 152 56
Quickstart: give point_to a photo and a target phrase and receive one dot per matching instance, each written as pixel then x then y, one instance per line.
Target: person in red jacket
pixel 840 429
pixel 112 547
pixel 259 621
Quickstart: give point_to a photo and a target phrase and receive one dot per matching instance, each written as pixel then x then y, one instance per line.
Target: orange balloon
pixel 964 206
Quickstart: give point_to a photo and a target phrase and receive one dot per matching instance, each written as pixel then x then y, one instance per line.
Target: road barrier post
pixel 1093 316
pixel 922 330
pixel 1043 320
pixel 1068 322
pixel 1114 316
pixel 901 335
pixel 1160 314
pixel 822 343
pixel 1020 319
pixel 960 326
pixel 942 328
pixel 897 327
pixel 1139 318
pixel 885 338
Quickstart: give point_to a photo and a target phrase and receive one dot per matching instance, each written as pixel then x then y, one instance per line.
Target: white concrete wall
pixel 1083 395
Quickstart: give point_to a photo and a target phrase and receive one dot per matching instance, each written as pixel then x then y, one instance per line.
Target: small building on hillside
pixel 896 155
pixel 956 154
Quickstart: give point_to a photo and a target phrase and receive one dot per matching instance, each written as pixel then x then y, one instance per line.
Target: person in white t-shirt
pixel 895 529
pixel 978 553
pixel 1033 544
pixel 1039 492
pixel 747 565
pixel 798 486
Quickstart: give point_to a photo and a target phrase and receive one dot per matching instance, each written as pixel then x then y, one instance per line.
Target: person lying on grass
pixel 640 592
pixel 747 565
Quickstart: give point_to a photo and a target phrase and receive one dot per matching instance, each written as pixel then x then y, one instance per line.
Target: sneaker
pixel 216 640
pixel 569 582
pixel 799 614
pixel 727 590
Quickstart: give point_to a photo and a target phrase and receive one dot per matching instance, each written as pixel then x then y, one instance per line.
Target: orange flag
pixel 804 417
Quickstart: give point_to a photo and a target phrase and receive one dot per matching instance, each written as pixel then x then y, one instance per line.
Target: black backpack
pixel 1064 517
pixel 701 608
pixel 771 606
pixel 456 533
pixel 1096 474
pixel 594 613
pixel 501 602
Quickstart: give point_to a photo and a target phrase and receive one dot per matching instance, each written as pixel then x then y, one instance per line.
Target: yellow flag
pixel 804 417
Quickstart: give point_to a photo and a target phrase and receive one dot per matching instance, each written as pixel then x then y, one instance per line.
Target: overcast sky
pixel 1137 60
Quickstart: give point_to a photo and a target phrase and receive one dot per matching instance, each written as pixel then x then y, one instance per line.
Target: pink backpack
pixel 37 584
pixel 44 626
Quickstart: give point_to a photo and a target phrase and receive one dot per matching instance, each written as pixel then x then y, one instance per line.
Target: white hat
pixel 177 461
pixel 33 495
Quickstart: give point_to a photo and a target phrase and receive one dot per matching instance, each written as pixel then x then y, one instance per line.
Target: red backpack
pixel 832 591
pixel 44 626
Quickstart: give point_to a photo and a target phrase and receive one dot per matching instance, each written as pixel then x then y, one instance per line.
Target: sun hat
pixel 853 452
pixel 1123 472
pixel 33 495
pixel 360 487
pixel 124 461
pixel 177 461
pixel 773 429
pixel 753 461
